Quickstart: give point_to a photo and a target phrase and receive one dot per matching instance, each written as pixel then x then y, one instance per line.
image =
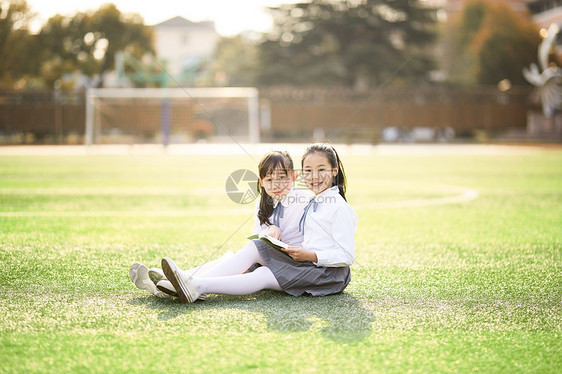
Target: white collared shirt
pixel 293 206
pixel 330 231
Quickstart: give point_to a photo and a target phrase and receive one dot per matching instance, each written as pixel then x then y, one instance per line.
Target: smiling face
pixel 277 184
pixel 317 172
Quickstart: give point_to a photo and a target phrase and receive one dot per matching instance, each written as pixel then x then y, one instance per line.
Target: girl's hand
pixel 301 254
pixel 274 231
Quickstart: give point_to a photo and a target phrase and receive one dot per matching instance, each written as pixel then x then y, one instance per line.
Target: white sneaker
pixel 184 286
pixel 156 275
pixel 139 276
pixel 167 287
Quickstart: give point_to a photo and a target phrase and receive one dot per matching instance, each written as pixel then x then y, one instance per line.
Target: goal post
pixel 115 115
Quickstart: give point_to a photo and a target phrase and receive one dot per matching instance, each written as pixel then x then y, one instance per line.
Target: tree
pixel 493 43
pixel 87 42
pixel 15 39
pixel 357 43
pixel 123 33
pixel 505 44
pixel 62 47
pixel 235 63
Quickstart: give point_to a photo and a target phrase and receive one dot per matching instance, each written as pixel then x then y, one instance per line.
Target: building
pixel 185 46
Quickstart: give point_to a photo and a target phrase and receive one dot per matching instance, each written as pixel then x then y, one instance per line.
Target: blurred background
pixel 355 71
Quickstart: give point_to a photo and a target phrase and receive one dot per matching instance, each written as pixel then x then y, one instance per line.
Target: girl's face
pixel 278 184
pixel 317 172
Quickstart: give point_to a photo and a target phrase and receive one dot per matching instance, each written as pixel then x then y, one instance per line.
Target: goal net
pixel 171 115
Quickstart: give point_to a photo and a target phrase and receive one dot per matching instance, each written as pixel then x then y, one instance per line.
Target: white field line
pixel 103 191
pixel 179 213
pixel 260 149
pixel 466 195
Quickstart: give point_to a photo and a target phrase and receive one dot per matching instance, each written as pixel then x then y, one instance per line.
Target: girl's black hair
pixel 334 160
pixel 269 163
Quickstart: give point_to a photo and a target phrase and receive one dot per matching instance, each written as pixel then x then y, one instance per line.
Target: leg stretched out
pixel 237 263
pixel 240 284
pixel 228 277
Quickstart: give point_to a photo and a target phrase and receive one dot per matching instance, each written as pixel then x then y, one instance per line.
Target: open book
pixel 275 243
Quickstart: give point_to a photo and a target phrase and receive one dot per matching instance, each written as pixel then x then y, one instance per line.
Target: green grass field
pixel 474 286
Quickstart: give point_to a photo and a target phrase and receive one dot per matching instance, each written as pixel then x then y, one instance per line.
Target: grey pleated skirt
pixel 303 278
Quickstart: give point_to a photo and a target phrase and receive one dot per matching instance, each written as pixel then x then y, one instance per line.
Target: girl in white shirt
pixel 277 213
pixel 329 225
pixel 280 205
pixel 320 266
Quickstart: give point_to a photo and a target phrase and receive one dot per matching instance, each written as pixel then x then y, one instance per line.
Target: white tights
pixel 228 277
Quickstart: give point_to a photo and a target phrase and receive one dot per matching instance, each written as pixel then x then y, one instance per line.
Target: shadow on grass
pixel 340 318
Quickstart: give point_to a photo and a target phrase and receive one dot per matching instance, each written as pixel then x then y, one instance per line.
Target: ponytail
pixel 340 180
pixel 266 207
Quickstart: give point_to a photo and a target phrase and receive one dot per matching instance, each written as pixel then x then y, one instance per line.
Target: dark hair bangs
pixel 274 162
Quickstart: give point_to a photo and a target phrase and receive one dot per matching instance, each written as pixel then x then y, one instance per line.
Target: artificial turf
pixel 472 286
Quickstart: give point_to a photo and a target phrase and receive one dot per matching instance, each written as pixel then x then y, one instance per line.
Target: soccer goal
pixel 171 115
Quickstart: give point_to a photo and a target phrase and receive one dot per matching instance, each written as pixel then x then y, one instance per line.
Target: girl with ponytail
pixel 280 205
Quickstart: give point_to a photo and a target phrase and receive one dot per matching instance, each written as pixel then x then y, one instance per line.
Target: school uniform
pixel 329 225
pixel 286 216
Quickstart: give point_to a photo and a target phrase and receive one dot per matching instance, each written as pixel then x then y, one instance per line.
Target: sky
pixel 231 16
